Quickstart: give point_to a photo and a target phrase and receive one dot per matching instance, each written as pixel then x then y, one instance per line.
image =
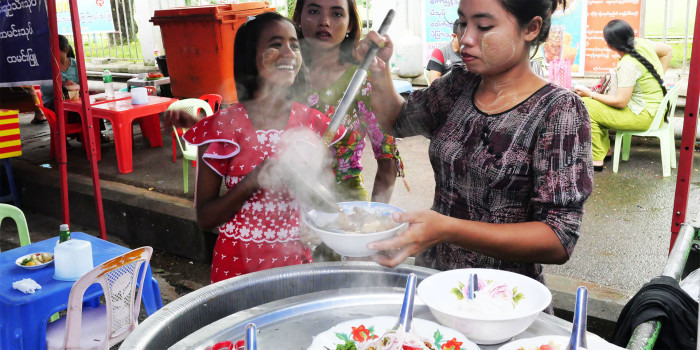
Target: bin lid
pixel 205 12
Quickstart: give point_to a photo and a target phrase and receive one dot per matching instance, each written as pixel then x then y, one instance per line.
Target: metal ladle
pixel 404 323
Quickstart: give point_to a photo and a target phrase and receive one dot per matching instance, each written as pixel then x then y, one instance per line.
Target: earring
pixel 347 35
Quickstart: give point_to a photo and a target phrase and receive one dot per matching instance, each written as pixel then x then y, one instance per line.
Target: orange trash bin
pixel 198 41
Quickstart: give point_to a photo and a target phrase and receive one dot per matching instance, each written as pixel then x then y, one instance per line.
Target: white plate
pixel 18 262
pixel 430 331
pixel 594 342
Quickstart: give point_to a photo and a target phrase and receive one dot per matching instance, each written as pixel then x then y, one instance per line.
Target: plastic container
pixel 107 80
pixel 199 43
pixel 72 259
pixel 408 63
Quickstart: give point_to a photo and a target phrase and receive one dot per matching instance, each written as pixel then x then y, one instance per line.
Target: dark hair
pixel 620 36
pixel 245 68
pixel 347 46
pixel 525 10
pixel 64 46
pixel 455 27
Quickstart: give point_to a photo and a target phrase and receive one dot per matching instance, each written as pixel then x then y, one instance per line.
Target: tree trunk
pixel 124 24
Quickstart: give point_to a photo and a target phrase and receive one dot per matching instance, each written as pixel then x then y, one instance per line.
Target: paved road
pixel 626 230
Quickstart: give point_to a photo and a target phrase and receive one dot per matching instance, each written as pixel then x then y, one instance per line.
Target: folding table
pixel 23 317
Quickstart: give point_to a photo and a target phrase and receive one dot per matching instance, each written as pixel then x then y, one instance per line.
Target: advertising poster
pixel 567 36
pixel 439 17
pixel 95 17
pixel 24 43
pixel 598 57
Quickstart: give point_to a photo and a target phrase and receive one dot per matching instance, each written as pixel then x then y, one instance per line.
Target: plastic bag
pixel 691 285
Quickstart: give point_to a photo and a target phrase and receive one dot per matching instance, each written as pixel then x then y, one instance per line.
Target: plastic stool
pixel 13 195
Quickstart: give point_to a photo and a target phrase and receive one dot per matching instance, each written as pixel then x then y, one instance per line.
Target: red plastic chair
pixel 213 100
pixel 71 128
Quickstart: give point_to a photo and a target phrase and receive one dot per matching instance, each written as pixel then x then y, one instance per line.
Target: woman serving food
pixel 511 153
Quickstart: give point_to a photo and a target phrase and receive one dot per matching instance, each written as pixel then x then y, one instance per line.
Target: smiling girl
pixel 258 227
pixel 511 153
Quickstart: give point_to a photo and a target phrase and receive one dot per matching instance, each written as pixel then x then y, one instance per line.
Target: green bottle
pixel 64 233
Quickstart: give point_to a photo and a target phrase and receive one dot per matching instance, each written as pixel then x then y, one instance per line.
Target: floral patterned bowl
pixel 505 305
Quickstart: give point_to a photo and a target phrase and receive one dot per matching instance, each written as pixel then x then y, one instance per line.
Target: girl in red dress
pixel 258 227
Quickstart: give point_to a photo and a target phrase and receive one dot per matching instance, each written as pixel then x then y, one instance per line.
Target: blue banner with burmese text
pixel 24 43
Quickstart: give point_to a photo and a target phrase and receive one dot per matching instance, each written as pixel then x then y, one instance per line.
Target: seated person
pixel 442 59
pixel 69 77
pixel 640 88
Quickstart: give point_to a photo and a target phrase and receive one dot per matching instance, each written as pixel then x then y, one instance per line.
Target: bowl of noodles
pixel 356 224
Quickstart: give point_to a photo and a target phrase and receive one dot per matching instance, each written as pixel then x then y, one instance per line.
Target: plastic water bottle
pixel 109 85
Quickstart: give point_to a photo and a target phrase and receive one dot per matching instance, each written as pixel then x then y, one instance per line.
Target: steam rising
pixel 302 162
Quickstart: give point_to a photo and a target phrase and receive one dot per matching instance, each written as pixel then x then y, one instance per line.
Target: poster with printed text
pixel 567 36
pixel 439 17
pixel 599 58
pixel 24 43
pixel 95 17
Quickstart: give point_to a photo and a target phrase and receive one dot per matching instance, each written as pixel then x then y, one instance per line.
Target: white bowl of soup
pixel 504 305
pixel 348 233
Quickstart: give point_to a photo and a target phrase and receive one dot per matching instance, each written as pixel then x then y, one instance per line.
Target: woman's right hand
pixel 179 119
pixel 386 49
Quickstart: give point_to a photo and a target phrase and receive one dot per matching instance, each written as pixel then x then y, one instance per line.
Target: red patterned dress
pixel 264 233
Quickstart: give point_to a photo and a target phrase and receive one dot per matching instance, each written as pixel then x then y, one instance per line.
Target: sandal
pixel 39 121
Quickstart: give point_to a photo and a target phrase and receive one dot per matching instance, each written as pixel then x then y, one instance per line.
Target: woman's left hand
pixel 583 91
pixel 424 231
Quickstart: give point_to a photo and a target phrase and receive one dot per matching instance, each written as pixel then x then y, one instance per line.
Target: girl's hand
pixel 69 83
pixel 179 119
pixel 424 231
pixel 386 49
pixel 583 91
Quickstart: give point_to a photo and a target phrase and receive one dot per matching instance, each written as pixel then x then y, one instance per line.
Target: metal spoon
pixel 406 317
pixel 578 332
pixel 251 343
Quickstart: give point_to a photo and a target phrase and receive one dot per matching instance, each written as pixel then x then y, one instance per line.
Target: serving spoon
pixel 403 324
pixel 578 332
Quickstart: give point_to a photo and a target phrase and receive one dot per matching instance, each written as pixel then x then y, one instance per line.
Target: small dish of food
pixel 35 260
pixel 358 224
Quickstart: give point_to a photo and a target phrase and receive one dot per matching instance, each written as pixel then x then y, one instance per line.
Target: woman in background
pixel 640 88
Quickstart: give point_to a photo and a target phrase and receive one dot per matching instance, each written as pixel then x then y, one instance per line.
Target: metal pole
pixel 690 124
pixel 87 115
pixel 126 25
pixel 665 19
pixel 58 105
pixel 685 37
pixel 645 335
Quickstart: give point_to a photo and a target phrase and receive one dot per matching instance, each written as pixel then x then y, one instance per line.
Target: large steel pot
pixel 200 308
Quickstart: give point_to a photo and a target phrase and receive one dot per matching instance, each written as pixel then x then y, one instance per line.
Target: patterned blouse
pixel 530 163
pixel 360 122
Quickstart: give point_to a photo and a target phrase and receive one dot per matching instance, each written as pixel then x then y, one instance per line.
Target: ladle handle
pixel 406 316
pixel 355 84
pixel 251 342
pixel 578 332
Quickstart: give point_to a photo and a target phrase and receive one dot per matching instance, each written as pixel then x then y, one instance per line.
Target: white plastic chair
pixel 106 325
pixel 191 106
pixel 659 128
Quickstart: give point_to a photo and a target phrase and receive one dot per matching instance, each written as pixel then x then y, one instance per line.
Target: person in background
pixel 69 72
pixel 329 31
pixel 258 227
pixel 640 88
pixel 69 77
pixel 511 153
pixel 442 59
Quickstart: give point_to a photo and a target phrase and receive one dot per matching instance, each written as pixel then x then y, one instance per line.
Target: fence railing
pixel 120 45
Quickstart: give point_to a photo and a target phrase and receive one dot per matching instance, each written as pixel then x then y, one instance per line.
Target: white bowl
pixel 436 292
pixel 18 262
pixel 353 245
